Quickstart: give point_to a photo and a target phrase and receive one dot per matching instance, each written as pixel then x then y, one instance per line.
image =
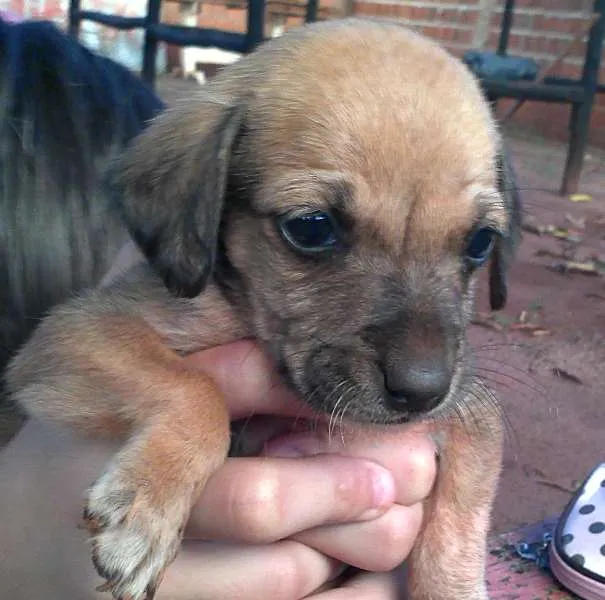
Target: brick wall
pixel 542 29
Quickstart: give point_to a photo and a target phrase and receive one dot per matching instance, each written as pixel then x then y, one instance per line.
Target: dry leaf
pixel 577 222
pixel 526 327
pixel 570 266
pixel 531 225
pixel 564 487
pixel 487 321
pixel 543 252
pixel 540 332
pixel 580 197
pixel 565 375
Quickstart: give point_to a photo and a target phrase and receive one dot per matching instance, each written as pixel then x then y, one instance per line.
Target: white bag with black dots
pixel 577 552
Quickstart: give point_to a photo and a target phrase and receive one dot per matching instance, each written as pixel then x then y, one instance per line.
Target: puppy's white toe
pixel 133 541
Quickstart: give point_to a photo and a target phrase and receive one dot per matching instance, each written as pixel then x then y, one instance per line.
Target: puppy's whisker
pixel 334 411
pixel 500 346
pixel 510 435
pixel 341 423
pixel 508 379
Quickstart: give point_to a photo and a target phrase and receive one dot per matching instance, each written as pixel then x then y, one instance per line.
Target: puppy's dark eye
pixel 310 233
pixel 480 246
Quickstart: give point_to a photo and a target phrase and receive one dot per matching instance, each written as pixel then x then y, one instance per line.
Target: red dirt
pixel 551 386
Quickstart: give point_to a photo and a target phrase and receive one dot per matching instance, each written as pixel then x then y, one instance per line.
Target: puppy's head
pixel 343 185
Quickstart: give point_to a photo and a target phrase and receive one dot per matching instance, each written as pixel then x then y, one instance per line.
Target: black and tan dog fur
pixel 388 135
pixel 64 112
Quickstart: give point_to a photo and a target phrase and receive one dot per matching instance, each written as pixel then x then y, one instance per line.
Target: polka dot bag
pixel 577 554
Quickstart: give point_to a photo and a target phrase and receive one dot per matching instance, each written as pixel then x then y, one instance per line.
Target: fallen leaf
pixel 570 266
pixel 521 326
pixel 487 321
pixel 563 486
pixel 532 328
pixel 580 197
pixel 540 332
pixel 577 222
pixel 543 252
pixel 594 296
pixel 559 232
pixel 531 225
pixel 565 375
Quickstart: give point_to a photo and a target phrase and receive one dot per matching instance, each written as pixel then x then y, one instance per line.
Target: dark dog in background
pixel 64 112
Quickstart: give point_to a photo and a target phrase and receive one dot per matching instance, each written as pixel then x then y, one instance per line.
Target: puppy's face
pixel 360 197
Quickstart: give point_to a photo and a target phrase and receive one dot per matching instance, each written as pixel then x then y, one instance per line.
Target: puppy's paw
pixel 135 534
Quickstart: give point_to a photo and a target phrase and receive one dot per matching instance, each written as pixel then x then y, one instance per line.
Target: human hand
pixel 280 527
pixel 289 525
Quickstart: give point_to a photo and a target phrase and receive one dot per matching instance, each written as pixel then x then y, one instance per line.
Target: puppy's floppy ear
pixel 170 186
pixel 506 246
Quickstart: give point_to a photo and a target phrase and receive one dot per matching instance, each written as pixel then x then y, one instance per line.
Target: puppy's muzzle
pixel 416 386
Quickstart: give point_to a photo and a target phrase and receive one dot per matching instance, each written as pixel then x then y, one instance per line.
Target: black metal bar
pixel 541 92
pixel 507 23
pixel 312 6
pixel 150 46
pixel 180 35
pixel 114 21
pixel 580 119
pixel 256 24
pixel 565 81
pixel 74 18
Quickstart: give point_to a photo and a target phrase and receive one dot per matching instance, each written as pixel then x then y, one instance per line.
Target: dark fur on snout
pixel 388 134
pixel 64 112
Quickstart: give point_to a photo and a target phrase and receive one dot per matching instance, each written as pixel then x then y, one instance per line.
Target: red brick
pixel 422 13
pixel 403 11
pixel 550 5
pixel 448 15
pixel 520 20
pixel 516 42
pixel 492 40
pixel 469 17
pixel 463 36
pixel 558 24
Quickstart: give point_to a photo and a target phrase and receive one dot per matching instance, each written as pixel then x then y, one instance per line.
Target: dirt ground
pixel 548 362
pixel 544 354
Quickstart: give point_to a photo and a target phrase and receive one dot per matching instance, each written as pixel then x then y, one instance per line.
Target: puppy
pixel 63 112
pixel 334 195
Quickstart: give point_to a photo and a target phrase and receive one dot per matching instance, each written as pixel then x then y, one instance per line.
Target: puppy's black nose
pixel 416 388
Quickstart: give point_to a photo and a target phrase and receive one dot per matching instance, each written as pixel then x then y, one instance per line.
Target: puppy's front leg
pixel 97 365
pixel 448 560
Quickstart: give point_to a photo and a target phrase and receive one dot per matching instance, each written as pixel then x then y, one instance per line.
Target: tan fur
pixel 364 118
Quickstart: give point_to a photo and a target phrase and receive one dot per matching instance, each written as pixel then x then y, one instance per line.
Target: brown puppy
pixel 333 195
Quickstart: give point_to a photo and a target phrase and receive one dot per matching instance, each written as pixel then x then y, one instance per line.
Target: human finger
pixel 406 452
pixel 285 570
pixel 377 545
pixel 260 500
